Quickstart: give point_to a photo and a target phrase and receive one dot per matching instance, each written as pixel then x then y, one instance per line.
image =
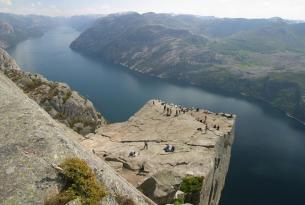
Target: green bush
pixel 178 202
pixel 80 182
pixel 191 184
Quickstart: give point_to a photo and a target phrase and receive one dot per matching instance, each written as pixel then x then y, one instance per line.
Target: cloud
pixel 7 2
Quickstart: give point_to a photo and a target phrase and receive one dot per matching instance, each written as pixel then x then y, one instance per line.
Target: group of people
pixel 216 127
pixel 179 109
pixel 169 110
pixel 167 148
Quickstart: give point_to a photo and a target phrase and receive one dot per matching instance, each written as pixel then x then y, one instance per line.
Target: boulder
pixel 161 187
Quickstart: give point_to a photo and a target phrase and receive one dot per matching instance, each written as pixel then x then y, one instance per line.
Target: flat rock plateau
pixel 202 142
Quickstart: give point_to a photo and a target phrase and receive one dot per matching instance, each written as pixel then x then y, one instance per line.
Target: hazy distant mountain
pixel 82 22
pixel 16 28
pixel 264 58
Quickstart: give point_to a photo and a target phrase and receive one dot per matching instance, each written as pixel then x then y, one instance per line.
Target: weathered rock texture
pixel 62 103
pixel 31 141
pixel 201 149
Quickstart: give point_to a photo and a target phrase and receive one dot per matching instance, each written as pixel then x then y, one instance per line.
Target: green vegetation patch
pixel 191 184
pixel 67 96
pixel 80 183
pixel 178 202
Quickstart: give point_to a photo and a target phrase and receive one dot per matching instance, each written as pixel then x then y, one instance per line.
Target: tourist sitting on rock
pixel 133 154
pixel 169 148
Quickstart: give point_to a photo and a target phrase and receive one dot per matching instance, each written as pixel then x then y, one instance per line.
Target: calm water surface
pixel 268 157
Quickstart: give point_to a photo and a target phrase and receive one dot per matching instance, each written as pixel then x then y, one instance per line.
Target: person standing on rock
pixel 145 145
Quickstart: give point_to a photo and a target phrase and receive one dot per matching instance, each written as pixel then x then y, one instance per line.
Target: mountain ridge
pixel 263 58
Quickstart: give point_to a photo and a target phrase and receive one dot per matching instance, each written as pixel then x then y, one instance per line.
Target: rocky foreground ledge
pixel 31 143
pixel 202 142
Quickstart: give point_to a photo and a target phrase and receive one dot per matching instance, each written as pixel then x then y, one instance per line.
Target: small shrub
pixel 80 182
pixel 124 200
pixel 31 84
pixel 67 96
pixel 191 184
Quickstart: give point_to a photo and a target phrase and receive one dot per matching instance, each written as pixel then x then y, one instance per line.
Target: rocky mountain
pixel 263 58
pixel 58 99
pixel 32 145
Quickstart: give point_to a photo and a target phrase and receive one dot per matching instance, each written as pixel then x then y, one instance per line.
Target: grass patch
pixel 191 184
pixel 80 183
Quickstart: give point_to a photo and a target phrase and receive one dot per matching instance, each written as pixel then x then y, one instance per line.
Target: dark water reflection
pixel 268 157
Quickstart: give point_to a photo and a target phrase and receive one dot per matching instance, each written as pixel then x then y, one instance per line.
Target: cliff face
pixel 202 142
pixel 31 141
pixel 58 99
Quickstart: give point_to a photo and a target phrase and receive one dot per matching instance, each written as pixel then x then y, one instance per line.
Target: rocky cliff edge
pixel 202 142
pixel 31 141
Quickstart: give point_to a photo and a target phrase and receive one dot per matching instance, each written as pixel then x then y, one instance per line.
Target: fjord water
pixel 268 156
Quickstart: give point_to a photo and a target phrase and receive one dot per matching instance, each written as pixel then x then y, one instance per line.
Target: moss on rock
pixel 80 182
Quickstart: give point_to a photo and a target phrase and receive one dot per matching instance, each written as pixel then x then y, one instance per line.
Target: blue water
pixel 268 156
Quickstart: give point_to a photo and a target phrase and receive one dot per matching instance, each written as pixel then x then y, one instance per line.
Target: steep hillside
pixel 58 99
pixel 263 58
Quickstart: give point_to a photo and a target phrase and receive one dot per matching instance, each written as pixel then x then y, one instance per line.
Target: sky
pixel 288 9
